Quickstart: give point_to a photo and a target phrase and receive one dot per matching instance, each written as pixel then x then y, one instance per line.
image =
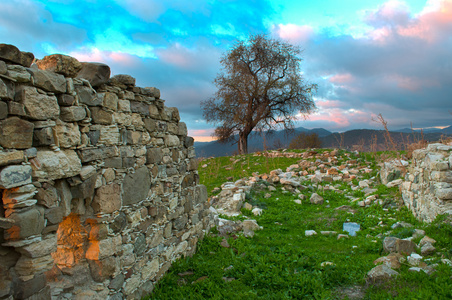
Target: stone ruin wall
pixel 427 189
pixel 98 182
pixel 426 186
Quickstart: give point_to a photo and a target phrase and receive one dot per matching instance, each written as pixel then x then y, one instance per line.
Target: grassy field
pixel 280 262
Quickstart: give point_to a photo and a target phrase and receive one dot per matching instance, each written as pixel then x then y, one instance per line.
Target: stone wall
pixel 427 189
pixel 98 182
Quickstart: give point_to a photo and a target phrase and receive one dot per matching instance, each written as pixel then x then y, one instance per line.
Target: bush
pixel 303 141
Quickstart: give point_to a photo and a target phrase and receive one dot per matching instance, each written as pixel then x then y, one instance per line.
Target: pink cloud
pixel 341 117
pixel 96 55
pixel 341 78
pixel 392 18
pixel 329 104
pixel 295 33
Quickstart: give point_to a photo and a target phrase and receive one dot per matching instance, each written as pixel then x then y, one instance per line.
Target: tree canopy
pixel 260 87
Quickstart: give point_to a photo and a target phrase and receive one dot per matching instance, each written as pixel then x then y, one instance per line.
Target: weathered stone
pixel 54 215
pixel 37 106
pixel 13 176
pixel 154 155
pixel 12 54
pixel 85 189
pixel 87 155
pixel 117 282
pixel 16 133
pixel 136 186
pixel 18 74
pixel 72 113
pixel 107 199
pixel 109 135
pixel 103 269
pixel 47 196
pixel 40 248
pixel 427 249
pixel 153 92
pixel 392 260
pixel 16 109
pixel 56 165
pixel 3 108
pixel 65 195
pixel 59 63
pixel 380 274
pixel 172 141
pixel 43 137
pixel 65 100
pixel 182 129
pixel 119 223
pixel 27 223
pixel 126 80
pixel 393 244
pixel 101 116
pixel 316 199
pixel 3 68
pixel 27 266
pixel 140 108
pixel 26 289
pixel 87 95
pixel 68 134
pixel 95 73
pixel 109 100
pixel 11 157
pixel 48 81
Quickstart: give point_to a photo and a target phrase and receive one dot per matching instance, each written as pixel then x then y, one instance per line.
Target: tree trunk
pixel 243 143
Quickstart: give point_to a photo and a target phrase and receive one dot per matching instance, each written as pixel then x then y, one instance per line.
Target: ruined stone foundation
pixel 98 182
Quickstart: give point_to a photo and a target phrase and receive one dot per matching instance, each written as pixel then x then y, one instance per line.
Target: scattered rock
pixel 380 274
pixel 316 199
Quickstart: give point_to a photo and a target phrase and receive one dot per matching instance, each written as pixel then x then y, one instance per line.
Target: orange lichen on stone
pixel 12 233
pixel 72 239
pixel 93 250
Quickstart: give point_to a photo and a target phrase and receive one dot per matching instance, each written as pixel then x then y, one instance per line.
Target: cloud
pixel 29 26
pixel 294 33
pixel 402 67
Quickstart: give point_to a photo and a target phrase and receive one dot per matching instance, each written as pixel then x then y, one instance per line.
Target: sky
pixel 371 57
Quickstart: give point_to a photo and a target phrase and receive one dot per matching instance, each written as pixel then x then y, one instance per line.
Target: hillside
pixel 361 139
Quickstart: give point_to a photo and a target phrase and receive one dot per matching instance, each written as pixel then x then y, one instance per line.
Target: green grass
pixel 280 262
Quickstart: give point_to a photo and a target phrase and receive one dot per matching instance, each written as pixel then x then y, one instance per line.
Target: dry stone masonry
pixel 427 189
pixel 98 182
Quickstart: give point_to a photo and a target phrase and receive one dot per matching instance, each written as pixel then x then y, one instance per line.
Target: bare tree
pixel 260 87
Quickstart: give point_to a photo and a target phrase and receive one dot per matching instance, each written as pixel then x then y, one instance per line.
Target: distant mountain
pixel 360 139
pixel 426 130
pixel 256 142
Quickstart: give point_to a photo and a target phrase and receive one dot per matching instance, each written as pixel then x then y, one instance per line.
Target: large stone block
pixel 153 92
pixel 172 140
pixel 154 155
pixel 3 108
pixel 72 113
pixel 141 108
pixel 101 116
pixel 109 135
pixel 11 157
pixel 103 269
pixel 136 186
pixel 43 137
pixel 13 176
pixel 95 73
pixel 87 95
pixel 27 223
pixel 48 81
pixel 26 289
pixel 38 106
pixel 61 64
pixel 12 54
pixel 85 189
pixel 16 133
pixel 68 134
pixel 109 100
pixel 107 199
pixel 56 165
pixel 87 155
